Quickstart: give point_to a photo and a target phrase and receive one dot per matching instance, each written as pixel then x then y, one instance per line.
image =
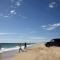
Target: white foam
pixel 10 49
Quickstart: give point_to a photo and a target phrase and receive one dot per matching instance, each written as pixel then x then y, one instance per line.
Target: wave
pixel 10 49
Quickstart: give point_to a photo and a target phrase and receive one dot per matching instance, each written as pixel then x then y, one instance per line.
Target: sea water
pixel 9 49
pixel 11 46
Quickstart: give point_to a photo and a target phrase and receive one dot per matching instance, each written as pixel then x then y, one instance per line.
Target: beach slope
pixel 38 52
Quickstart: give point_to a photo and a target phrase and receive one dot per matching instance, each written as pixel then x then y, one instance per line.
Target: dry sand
pixel 38 52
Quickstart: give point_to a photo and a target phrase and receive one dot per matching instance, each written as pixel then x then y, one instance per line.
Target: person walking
pixel 25 46
pixel 20 49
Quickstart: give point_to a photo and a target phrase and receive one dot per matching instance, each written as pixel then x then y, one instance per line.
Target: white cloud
pixel 37 38
pixel 3 15
pixel 13 12
pixel 14 6
pixel 43 26
pixel 17 4
pixel 51 26
pixel 52 4
pixel 6 15
pixel 7 33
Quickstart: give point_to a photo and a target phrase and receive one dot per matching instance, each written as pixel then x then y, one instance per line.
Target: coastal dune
pixel 38 52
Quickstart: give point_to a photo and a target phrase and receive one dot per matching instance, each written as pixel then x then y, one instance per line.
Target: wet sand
pixel 38 52
pixel 0 56
pixel 7 54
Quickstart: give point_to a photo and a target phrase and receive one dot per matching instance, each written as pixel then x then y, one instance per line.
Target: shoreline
pixel 10 52
pixel 38 52
pixel 2 50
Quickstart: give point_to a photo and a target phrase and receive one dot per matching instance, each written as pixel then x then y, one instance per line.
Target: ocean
pixel 9 49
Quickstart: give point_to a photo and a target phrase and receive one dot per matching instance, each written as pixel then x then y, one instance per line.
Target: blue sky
pixel 29 20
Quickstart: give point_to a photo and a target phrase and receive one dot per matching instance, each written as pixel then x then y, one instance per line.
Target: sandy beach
pixel 38 52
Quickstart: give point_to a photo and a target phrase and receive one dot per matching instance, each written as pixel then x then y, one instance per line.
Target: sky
pixel 29 20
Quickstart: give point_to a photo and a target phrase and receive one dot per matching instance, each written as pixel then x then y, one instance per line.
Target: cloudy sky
pixel 29 20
